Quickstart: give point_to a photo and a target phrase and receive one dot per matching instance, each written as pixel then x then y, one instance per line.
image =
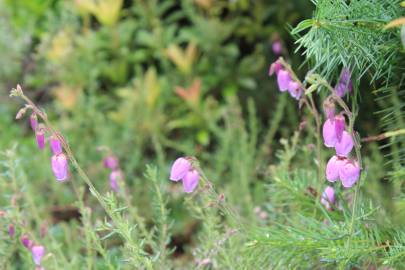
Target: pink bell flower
pixel 190 181
pixel 328 197
pixel 111 162
pixel 283 80
pixel 329 133
pixel 295 89
pixel 34 121
pixel 26 241
pixel 349 173
pixel 60 167
pixel 333 168
pixel 115 177
pixel 40 136
pixel 345 145
pixel 179 169
pixel 56 145
pixel 37 254
pixel 344 84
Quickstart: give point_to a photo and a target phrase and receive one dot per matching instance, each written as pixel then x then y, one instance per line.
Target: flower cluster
pixel 37 251
pixel 340 166
pixel 285 81
pixel 182 169
pixel 59 161
pixel 111 162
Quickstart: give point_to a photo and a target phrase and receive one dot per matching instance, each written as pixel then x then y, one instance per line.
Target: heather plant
pixel 151 134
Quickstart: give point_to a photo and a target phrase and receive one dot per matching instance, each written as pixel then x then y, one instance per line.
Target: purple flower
pixel 345 145
pixel 37 254
pixel 344 84
pixel 34 121
pixel 40 136
pixel 329 133
pixel 283 80
pixel 60 167
pixel 115 177
pixel 333 168
pixel 56 145
pixel 190 181
pixel 111 162
pixel 328 197
pixel 349 173
pixel 26 241
pixel 294 89
pixel 179 169
pixel 275 68
pixel 277 47
pixel 11 230
pixel 339 122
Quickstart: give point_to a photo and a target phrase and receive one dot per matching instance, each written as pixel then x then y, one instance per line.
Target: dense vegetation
pixel 121 89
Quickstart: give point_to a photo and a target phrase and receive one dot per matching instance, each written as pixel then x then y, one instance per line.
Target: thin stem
pixel 385 135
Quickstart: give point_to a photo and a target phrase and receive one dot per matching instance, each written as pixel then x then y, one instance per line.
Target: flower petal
pixel 349 173
pixel 283 79
pixel 332 168
pixel 179 169
pixel 345 145
pixel 37 253
pixel 329 133
pixel 190 181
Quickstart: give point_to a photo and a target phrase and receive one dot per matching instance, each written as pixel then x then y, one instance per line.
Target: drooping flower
pixel 275 68
pixel 294 89
pixel 115 177
pixel 40 136
pixel 60 167
pixel 37 254
pixel 329 133
pixel 190 181
pixel 34 121
pixel 339 122
pixel 277 47
pixel 56 145
pixel 328 197
pixel 179 169
pixel 349 173
pixel 283 80
pixel 26 241
pixel 345 145
pixel 111 162
pixel 11 230
pixel 333 168
pixel 344 84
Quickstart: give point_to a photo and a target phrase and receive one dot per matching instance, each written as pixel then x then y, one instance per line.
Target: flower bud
pixel 190 181
pixel 111 162
pixel 37 254
pixel 344 84
pixel 115 177
pixel 26 241
pixel 328 197
pixel 11 230
pixel 56 145
pixel 60 167
pixel 179 169
pixel 277 47
pixel 34 121
pixel 40 136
